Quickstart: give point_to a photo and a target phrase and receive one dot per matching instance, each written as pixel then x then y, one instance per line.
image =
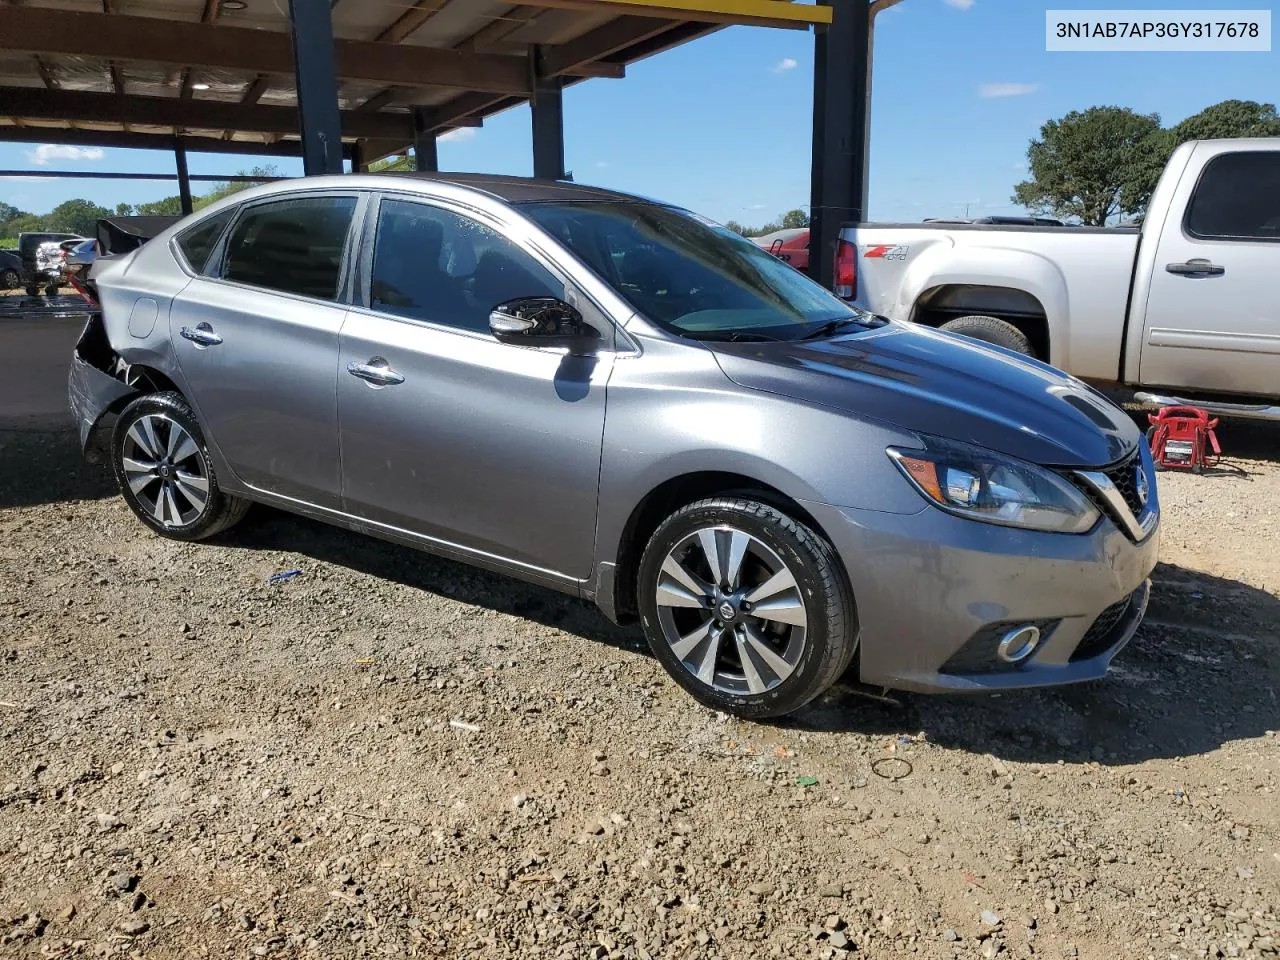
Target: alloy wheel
pixel 165 471
pixel 731 610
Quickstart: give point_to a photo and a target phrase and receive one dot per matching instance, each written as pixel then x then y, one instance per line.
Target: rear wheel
pixel 165 473
pixel 9 279
pixel 991 330
pixel 746 608
pixel 33 290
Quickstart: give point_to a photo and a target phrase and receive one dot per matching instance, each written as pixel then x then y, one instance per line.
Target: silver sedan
pixel 626 402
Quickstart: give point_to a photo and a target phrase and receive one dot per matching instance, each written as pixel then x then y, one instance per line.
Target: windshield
pixel 689 275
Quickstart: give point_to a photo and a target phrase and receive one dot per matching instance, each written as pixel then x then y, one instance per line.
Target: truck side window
pixel 1237 198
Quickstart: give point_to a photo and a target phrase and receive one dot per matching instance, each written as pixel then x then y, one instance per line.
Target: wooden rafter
pixel 34 103
pixel 763 13
pixel 151 39
pixel 411 21
pixel 500 27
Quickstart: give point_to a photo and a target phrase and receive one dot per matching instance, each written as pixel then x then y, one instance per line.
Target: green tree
pixel 168 207
pixel 1230 118
pixel 124 209
pixel 794 219
pixel 220 190
pixel 736 227
pixel 1091 165
pixel 8 211
pixel 398 164
pixel 77 216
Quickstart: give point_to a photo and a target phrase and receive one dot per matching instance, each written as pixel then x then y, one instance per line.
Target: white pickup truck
pixel 1187 308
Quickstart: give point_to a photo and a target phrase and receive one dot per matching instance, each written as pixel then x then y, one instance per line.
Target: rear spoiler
pixel 118 235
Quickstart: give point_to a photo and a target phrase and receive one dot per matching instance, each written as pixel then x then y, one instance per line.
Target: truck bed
pixel 906 269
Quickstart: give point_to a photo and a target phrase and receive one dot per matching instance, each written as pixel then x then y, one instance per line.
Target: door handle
pixel 377 372
pixel 1196 268
pixel 201 335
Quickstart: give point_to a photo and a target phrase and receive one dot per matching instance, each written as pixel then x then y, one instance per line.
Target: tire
pixel 9 280
pixel 33 290
pixel 789 664
pixel 51 290
pixel 991 330
pixel 168 497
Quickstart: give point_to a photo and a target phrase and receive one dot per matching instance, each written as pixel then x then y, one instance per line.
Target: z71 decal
pixel 887 251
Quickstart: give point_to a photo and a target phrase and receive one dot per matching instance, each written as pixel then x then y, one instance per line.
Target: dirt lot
pixel 391 755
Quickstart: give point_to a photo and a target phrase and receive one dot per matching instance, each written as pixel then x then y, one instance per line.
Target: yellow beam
pixel 763 13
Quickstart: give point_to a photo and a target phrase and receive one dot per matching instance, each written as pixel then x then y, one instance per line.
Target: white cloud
pixel 457 135
pixel 991 90
pixel 959 4
pixel 785 64
pixel 42 154
pixel 757 206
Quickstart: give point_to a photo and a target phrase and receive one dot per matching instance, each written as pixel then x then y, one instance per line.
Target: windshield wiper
pixel 835 325
pixel 742 336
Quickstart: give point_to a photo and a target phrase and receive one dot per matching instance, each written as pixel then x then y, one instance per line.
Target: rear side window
pixel 196 243
pixel 1237 198
pixel 293 246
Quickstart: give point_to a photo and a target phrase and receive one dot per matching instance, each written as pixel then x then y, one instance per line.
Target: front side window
pixel 197 242
pixel 689 275
pixel 293 246
pixel 1237 198
pixel 432 264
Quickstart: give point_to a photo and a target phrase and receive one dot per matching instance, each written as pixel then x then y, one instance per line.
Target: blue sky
pixel 722 125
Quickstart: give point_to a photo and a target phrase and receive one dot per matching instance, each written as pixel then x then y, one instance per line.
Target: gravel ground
pixel 392 755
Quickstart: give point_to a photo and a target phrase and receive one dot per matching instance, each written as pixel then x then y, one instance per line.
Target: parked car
pixel 10 270
pixel 77 260
pixel 782 486
pixel 1183 307
pixel 41 270
pixel 790 246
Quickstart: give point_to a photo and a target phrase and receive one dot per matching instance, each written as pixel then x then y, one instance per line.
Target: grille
pixel 978 655
pixel 1101 635
pixel 1124 476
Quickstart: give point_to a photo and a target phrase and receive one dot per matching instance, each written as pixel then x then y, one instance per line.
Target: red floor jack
pixel 1182 438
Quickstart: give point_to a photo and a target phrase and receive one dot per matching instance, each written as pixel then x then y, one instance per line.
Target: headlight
pixel 983 485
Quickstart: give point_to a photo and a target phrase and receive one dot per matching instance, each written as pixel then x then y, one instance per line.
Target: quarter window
pixel 196 243
pixel 294 246
pixel 1237 198
pixel 435 265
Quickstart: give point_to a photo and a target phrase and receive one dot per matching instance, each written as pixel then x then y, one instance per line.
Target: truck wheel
pixel 33 290
pixel 9 280
pixel 991 330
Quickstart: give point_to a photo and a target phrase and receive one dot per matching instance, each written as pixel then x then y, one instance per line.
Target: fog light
pixel 1019 643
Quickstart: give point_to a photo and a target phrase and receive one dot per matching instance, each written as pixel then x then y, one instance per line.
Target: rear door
pixel 256 334
pixel 1212 317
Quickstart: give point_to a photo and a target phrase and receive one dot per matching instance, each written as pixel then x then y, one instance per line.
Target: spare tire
pixel 991 330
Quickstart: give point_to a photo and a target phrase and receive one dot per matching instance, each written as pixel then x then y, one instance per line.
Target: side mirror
pixel 542 322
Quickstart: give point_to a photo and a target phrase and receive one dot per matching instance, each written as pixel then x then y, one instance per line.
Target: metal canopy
pixel 223 72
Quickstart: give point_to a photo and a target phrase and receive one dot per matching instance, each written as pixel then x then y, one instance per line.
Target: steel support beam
pixel 317 86
pixel 425 153
pixel 356 152
pixel 547 111
pixel 184 177
pixel 841 77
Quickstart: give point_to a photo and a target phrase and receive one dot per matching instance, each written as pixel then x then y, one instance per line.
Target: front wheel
pixel 9 279
pixel 165 473
pixel 746 608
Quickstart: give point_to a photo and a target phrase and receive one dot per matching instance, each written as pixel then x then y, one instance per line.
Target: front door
pixel 258 342
pixel 1212 316
pixel 448 433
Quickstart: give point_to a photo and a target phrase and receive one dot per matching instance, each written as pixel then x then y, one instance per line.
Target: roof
pixel 521 189
pixel 117 72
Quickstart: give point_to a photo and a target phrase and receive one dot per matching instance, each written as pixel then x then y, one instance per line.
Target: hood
pixel 943 385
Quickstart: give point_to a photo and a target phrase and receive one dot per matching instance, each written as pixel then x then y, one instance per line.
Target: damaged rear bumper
pixel 94 394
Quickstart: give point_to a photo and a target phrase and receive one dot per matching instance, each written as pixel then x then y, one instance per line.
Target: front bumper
pixel 934 593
